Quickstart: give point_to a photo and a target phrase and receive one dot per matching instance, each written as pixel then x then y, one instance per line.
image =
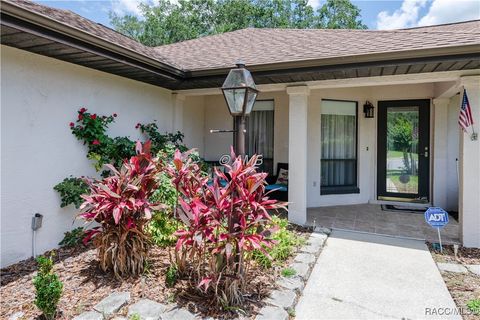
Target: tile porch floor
pixel 372 219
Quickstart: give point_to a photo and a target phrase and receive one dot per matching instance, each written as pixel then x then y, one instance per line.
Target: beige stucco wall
pixel 39 97
pixel 453 142
pixel 469 164
pixel 194 123
pixel 217 117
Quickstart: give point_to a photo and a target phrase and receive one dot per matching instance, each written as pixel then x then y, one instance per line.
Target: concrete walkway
pixel 367 276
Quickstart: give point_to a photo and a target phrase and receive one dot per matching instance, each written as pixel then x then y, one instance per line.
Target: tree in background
pixel 340 14
pixel 403 136
pixel 167 22
pixel 233 15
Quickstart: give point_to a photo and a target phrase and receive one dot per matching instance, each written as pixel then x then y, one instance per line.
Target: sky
pixel 376 14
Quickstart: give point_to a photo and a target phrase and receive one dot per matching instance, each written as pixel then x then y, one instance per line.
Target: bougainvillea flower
pixel 96 142
pixel 82 110
pixel 72 124
pixel 115 115
pixel 80 116
pixel 93 116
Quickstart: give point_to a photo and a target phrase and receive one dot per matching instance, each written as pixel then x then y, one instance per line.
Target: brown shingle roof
pixel 266 46
pixel 467 26
pixel 269 46
pixel 74 20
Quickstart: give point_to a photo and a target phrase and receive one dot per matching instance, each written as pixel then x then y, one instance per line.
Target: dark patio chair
pixel 281 190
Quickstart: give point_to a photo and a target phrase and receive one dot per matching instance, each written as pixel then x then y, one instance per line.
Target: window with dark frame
pixel 260 133
pixel 338 161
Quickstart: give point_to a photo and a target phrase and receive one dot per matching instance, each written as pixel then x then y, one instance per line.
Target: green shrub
pixel 163 225
pixel 48 287
pixel 171 276
pixel 159 140
pixel 162 228
pixel 288 272
pixel 291 312
pixel 135 316
pixel 165 193
pixel 92 130
pixel 474 306
pixel 70 190
pixel 286 243
pixel 72 238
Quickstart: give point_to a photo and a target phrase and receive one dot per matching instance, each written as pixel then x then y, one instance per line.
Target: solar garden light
pixel 240 93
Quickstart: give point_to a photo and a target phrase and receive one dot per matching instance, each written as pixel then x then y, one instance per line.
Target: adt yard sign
pixel 436 217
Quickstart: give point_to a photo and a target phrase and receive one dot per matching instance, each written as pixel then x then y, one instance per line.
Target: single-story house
pixel 314 111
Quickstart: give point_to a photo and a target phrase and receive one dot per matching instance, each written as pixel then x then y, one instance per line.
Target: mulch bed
pixel 462 286
pixel 85 284
pixel 465 255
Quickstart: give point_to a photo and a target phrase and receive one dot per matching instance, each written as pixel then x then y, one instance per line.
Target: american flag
pixel 465 119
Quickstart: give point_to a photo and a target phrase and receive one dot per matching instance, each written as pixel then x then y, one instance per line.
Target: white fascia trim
pixel 352 82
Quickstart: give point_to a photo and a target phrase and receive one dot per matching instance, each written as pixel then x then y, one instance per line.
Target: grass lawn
pixel 399 154
pixel 410 187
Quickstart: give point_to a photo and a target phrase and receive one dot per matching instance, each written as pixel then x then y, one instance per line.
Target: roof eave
pixel 48 23
pixel 383 57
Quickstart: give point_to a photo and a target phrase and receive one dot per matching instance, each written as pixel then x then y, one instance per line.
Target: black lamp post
pixel 240 93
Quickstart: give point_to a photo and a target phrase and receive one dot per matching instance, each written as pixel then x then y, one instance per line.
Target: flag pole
pixel 465 117
pixel 474 135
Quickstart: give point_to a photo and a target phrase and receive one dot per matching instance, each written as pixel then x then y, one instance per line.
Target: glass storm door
pixel 403 150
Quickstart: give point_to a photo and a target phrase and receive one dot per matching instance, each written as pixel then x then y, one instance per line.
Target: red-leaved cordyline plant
pixel 120 204
pixel 223 224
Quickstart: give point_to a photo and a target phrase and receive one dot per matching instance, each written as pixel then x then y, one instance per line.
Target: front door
pixel 403 150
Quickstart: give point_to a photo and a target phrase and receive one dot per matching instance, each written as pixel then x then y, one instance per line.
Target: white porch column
pixel 178 102
pixel 469 196
pixel 297 153
pixel 440 152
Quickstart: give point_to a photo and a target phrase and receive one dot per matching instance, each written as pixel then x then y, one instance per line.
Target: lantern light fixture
pixel 239 90
pixel 368 109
